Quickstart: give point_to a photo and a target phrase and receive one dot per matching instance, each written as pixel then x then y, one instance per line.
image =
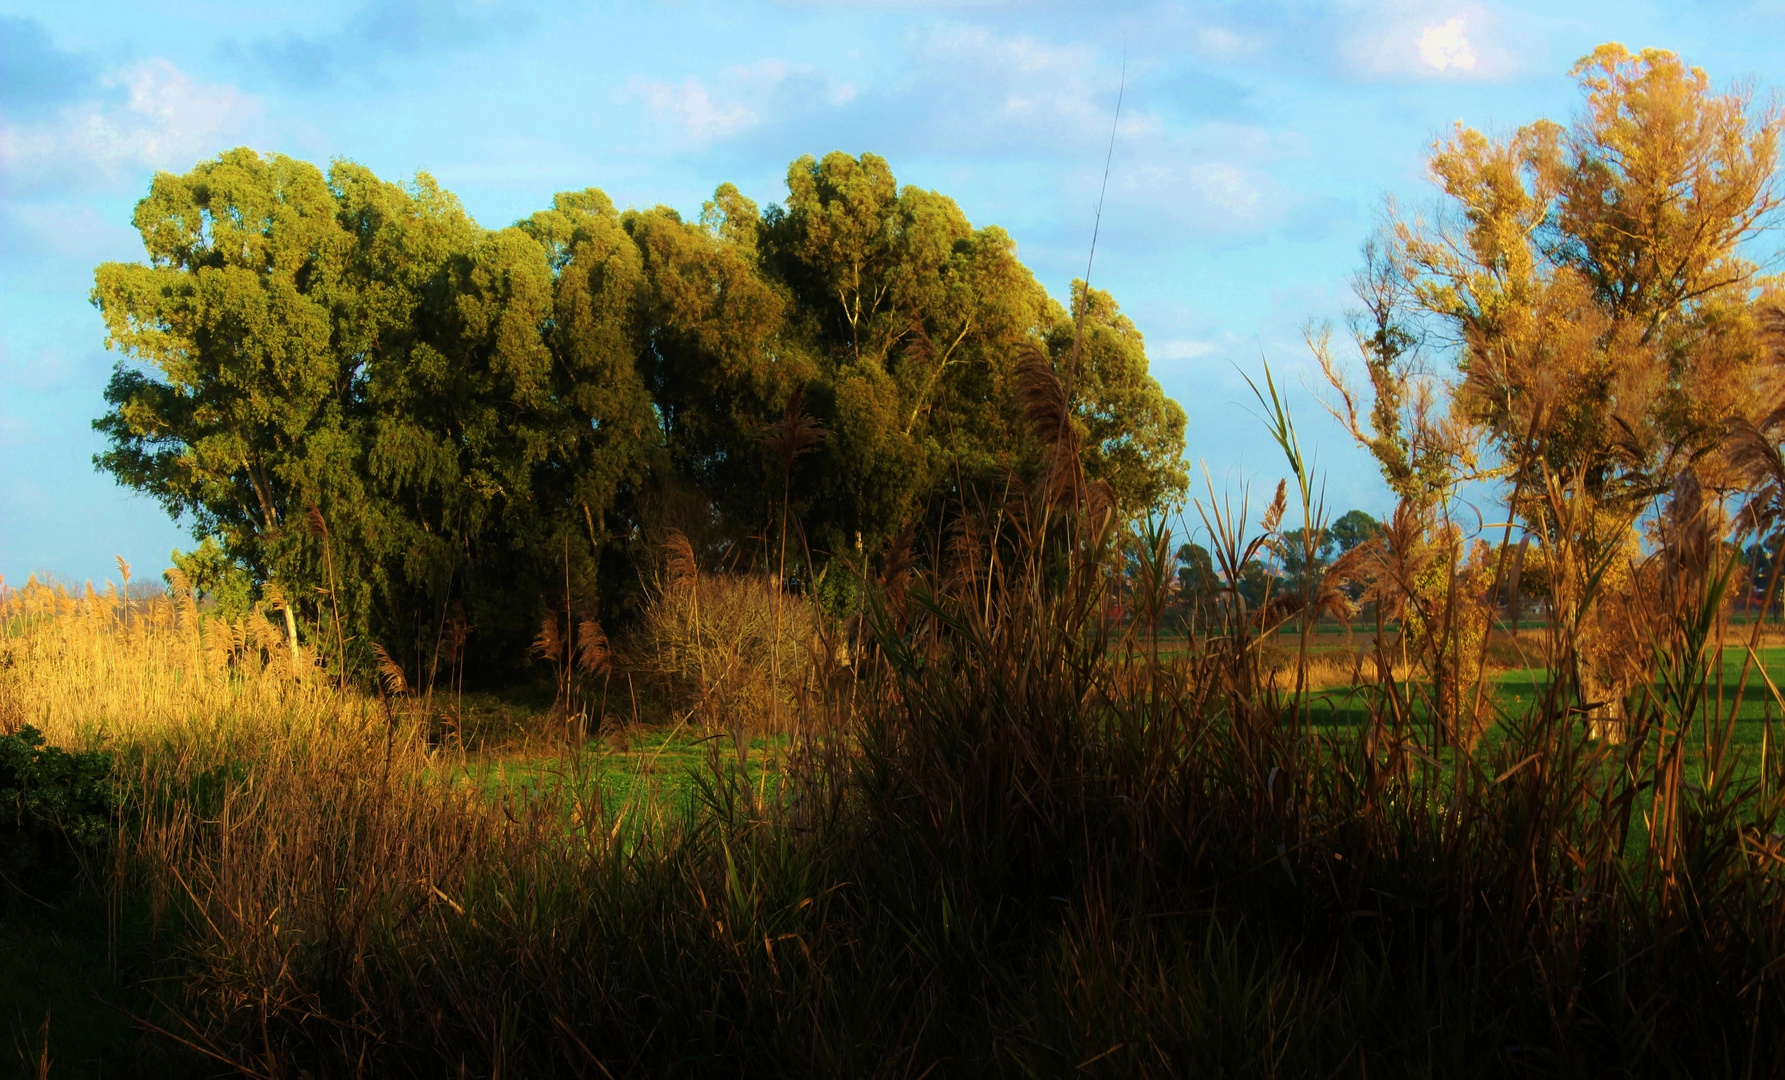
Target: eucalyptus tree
pixel 241 411
pixel 1133 435
pixel 381 409
pixel 361 394
pixel 917 321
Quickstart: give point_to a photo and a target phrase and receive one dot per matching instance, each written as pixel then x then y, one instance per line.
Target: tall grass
pixel 1014 837
pixel 92 668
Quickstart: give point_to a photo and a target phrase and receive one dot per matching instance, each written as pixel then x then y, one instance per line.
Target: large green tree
pixel 455 403
pixel 917 321
pixel 481 419
pixel 239 414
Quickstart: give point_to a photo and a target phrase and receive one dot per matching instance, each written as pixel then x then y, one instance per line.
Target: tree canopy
pixel 1590 279
pixel 361 397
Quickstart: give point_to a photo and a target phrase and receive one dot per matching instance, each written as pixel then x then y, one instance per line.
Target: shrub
pixel 712 645
pixel 53 804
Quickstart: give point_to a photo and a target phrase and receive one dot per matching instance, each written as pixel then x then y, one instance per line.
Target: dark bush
pixel 54 806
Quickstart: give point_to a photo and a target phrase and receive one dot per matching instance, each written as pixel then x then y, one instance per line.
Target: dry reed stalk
pixel 97 669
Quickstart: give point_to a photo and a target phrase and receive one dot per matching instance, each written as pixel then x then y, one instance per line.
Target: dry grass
pixel 1014 844
pixel 96 670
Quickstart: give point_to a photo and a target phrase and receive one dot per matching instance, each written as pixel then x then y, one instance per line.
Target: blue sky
pixel 1256 146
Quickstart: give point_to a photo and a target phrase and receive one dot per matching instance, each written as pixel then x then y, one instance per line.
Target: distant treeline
pixel 380 416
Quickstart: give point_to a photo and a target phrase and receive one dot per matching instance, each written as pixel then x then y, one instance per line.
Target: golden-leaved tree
pixel 1591 287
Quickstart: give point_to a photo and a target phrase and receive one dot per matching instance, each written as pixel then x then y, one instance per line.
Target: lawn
pixel 1517 690
pixel 664 770
pixel 666 767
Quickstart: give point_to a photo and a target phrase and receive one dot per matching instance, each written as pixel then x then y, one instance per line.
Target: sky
pixel 1256 147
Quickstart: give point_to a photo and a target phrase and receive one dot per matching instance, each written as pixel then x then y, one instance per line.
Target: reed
pixel 1014 836
pixel 92 668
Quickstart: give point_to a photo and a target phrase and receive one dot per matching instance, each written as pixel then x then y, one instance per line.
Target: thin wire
pixel 1108 158
pixel 1078 332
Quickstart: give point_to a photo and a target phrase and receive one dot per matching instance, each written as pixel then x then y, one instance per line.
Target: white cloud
pixel 1015 90
pixel 153 115
pixel 898 5
pixel 1445 46
pixel 1180 349
pixel 1424 40
pixel 1016 98
pixel 1223 44
pixel 741 98
pixel 1213 182
pixel 1208 191
pixel 973 93
pixel 690 106
pixel 1227 188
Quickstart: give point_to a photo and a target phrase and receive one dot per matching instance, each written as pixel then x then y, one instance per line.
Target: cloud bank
pixel 81 128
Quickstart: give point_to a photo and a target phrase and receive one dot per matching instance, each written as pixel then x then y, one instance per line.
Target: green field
pixel 656 771
pixel 666 768
pixel 1517 690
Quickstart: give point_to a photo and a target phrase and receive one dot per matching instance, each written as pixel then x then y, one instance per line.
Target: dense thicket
pixel 386 416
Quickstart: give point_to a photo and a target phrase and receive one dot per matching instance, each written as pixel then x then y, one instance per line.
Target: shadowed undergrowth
pixel 1013 839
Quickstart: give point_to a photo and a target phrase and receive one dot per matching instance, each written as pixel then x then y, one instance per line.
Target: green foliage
pixel 238 418
pixel 1198 587
pixel 1196 569
pixel 1257 585
pixel 219 579
pixel 1133 433
pixel 382 412
pixel 46 786
pixel 1353 528
pixel 53 803
pixel 1330 543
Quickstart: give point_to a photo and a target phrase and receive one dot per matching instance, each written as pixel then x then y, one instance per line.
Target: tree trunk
pixel 297 655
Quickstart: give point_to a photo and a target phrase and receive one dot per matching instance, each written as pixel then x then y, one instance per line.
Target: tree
pixel 215 578
pixel 715 354
pixel 1333 542
pixel 1133 434
pixel 376 407
pixel 1198 587
pixel 1590 287
pixel 1353 528
pixel 916 321
pixel 1591 277
pixel 1293 548
pixel 364 350
pixel 239 416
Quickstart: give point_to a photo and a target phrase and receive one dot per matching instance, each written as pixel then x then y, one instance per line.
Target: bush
pixel 710 643
pixel 54 804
